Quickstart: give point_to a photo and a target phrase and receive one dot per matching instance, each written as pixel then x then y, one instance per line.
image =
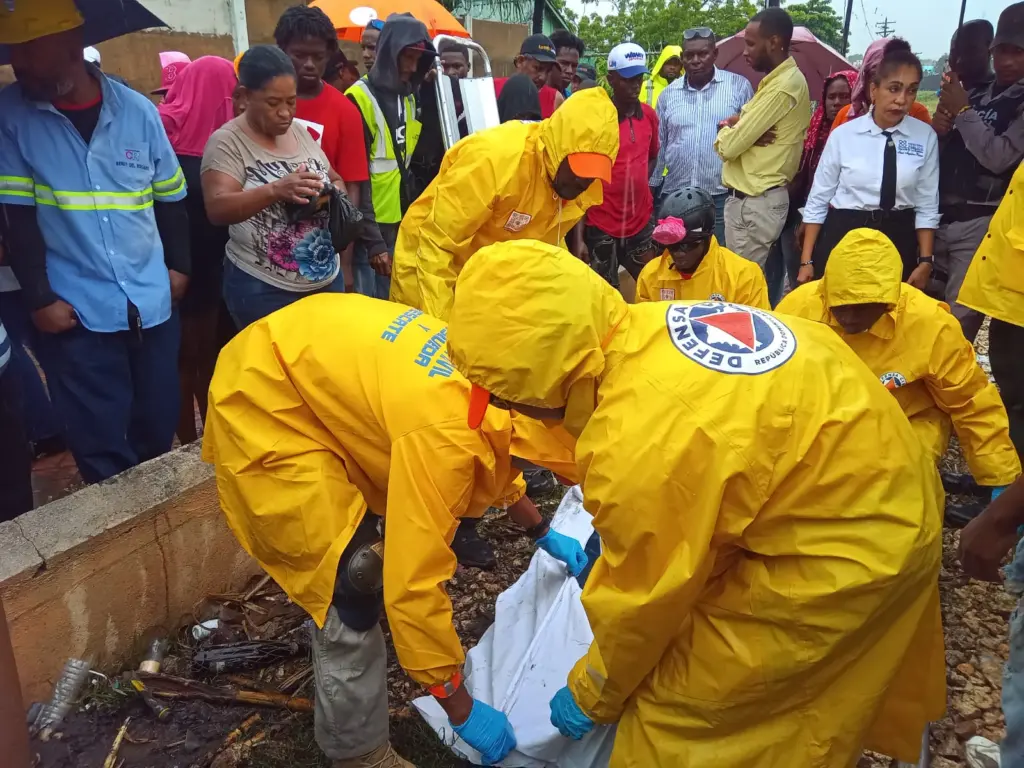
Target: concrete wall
pixel 86 575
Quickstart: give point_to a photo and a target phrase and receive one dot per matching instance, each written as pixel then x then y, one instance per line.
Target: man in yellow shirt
pixel 761 146
pixel 694 266
pixel 916 348
pixel 517 181
pixel 316 439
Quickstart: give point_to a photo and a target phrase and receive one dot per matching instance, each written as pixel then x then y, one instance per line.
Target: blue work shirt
pixel 94 203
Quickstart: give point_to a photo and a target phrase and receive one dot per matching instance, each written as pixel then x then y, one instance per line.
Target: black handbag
pixel 345 220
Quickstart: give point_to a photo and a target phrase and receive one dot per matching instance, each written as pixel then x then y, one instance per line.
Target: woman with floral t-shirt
pixel 254 169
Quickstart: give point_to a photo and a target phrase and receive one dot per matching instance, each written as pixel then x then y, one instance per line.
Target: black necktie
pixel 887 200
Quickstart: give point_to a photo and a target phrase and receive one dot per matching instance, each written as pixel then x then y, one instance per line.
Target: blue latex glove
pixel 998 491
pixel 487 731
pixel 567 716
pixel 564 548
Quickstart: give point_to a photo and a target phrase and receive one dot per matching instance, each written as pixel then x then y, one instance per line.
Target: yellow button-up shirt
pixel 781 102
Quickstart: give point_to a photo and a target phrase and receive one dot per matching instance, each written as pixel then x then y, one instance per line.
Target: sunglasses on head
pixel 698 33
pixel 375 24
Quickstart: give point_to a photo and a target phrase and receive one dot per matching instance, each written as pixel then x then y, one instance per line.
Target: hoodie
pixel 656 80
pixel 400 31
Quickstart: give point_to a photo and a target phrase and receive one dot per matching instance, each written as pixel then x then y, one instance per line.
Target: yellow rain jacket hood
pixel 918 352
pixel 494 186
pixel 994 284
pixel 655 83
pixel 721 276
pixel 340 403
pixel 767 590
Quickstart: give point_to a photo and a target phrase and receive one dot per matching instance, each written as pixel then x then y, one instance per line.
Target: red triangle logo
pixel 738 325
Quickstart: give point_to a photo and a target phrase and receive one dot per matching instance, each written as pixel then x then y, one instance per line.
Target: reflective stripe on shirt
pixel 94 201
pixel 17 186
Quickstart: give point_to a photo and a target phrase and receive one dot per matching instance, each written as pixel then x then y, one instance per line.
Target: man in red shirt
pixel 307 35
pixel 618 232
pixel 536 59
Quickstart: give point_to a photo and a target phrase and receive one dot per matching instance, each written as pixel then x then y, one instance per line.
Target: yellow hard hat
pixel 32 19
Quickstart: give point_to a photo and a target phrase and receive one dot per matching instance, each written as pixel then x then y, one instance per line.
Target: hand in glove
pixel 488 731
pixel 564 548
pixel 567 716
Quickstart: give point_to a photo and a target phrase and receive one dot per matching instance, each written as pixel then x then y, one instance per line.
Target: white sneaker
pixel 982 753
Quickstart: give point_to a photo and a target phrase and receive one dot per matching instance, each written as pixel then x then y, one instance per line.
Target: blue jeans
pixel 249 299
pixel 720 217
pixel 117 394
pixel 1012 746
pixel 40 420
pixel 368 282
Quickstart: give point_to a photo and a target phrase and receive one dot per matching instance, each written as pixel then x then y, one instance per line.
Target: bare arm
pixel 227 203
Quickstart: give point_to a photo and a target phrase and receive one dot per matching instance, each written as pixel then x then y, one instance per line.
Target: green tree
pixel 653 24
pixel 819 17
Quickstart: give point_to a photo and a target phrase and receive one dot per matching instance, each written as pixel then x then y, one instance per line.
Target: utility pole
pixel 846 27
pixel 885 28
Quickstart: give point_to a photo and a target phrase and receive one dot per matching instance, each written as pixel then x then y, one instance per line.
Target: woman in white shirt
pixel 879 171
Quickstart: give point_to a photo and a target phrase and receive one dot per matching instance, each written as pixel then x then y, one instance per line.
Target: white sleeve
pixel 826 181
pixel 926 193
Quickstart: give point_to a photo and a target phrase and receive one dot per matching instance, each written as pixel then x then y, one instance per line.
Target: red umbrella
pixel 815 59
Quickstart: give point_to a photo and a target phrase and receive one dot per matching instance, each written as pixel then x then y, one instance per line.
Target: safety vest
pixel 385 175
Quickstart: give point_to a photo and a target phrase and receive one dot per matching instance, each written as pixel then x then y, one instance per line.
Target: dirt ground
pixel 974 614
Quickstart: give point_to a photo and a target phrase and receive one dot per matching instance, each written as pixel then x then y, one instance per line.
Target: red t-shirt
pixel 628 204
pixel 547 97
pixel 336 125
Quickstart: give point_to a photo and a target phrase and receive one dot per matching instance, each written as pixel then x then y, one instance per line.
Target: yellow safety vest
pixel 385 175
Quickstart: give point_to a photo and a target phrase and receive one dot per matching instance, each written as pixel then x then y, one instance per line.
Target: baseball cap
pixel 538 47
pixel 628 60
pixel 1010 28
pixel 591 165
pixel 26 20
pixel 586 72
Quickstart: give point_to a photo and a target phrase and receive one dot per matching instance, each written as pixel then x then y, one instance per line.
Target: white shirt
pixel 849 174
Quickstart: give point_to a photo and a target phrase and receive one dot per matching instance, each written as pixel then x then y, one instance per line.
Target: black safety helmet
pixel 696 209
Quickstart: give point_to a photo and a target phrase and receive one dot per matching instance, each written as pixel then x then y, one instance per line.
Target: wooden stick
pixel 250 698
pixel 111 760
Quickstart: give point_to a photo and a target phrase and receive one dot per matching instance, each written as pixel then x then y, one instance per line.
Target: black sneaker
pixel 471 550
pixel 539 482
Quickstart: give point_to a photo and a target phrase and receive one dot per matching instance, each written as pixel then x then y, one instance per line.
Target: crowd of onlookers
pixel 116 305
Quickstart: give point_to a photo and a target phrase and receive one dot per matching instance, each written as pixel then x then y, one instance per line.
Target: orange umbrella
pixel 351 16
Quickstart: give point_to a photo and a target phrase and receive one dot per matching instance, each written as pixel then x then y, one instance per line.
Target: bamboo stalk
pixel 111 760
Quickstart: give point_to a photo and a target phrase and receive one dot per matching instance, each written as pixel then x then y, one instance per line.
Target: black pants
pixel 357 610
pixel 898 226
pixel 15 453
pixel 1006 353
pixel 608 253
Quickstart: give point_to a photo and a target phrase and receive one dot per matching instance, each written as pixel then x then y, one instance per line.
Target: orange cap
pixel 591 165
pixel 479 399
pixel 238 60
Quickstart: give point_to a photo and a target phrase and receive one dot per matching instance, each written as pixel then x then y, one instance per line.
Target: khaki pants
pixel 350 672
pixel 955 245
pixel 753 224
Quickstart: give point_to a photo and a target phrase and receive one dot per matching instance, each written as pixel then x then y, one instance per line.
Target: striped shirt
pixel 689 121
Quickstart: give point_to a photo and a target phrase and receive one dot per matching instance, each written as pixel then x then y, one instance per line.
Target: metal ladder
pixel 479 103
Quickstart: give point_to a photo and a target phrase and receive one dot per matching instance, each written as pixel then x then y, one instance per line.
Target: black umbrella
pixel 104 20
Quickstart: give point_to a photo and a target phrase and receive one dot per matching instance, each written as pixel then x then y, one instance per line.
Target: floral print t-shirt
pixel 294 257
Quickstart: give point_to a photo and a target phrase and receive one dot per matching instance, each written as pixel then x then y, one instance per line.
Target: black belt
pixel 875 216
pixel 952 214
pixel 743 195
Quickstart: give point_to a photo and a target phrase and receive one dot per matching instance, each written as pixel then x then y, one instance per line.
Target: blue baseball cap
pixel 628 60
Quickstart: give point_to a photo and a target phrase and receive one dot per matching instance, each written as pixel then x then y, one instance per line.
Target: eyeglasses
pixel 698 33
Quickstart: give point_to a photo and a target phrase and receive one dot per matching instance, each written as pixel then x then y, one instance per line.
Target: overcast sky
pixel 927 24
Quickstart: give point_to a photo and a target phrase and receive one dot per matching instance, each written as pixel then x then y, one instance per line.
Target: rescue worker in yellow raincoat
pixel 518 180
pixel 767 593
pixel 916 348
pixel 665 71
pixel 694 266
pixel 326 417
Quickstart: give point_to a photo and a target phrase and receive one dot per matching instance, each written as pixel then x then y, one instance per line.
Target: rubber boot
pixel 471 550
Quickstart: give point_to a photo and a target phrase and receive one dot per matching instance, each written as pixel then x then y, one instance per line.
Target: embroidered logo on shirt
pixel 893 380
pixel 904 147
pixel 517 221
pixel 716 297
pixel 730 338
pixel 667 294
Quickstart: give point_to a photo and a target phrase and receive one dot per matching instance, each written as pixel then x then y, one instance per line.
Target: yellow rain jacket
pixel 767 593
pixel 994 284
pixel 340 402
pixel 918 351
pixel 721 276
pixel 494 186
pixel 655 83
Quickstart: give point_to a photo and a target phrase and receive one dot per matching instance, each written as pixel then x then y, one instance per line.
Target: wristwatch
pixel 930 260
pixel 447 689
pixel 539 530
